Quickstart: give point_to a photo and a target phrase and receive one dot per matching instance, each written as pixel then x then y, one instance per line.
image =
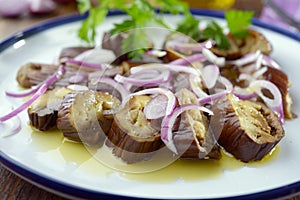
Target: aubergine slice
pixel 250 129
pixel 280 79
pixel 32 74
pixel 239 47
pixel 81 117
pixel 196 133
pixel 131 136
pixel 43 112
pixel 71 52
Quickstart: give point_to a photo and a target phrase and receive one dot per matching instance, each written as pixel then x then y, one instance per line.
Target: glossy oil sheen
pixel 76 156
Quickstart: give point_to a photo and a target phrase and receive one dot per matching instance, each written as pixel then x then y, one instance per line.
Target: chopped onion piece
pixel 41 6
pixel 199 57
pixel 152 81
pixel 42 89
pixel 258 62
pixel 244 93
pixel 171 97
pixel 85 64
pixel 119 87
pixel 156 53
pixel 246 59
pixel 276 103
pixel 266 60
pixel 219 61
pixel 96 56
pixel 194 84
pixel 210 74
pixel 78 78
pixel 157 66
pixel 169 121
pixel 156 107
pixel 212 97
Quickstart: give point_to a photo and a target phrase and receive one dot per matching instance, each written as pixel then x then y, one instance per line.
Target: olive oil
pixel 102 163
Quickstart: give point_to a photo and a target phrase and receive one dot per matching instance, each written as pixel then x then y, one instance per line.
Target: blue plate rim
pixel 69 190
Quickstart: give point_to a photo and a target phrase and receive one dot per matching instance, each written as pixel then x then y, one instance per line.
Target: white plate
pixel 66 168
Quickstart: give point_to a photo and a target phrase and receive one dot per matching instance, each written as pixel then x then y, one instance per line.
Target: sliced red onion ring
pixel 246 59
pixel 259 72
pixel 156 53
pixel 258 62
pixel 13 8
pixel 244 93
pixel 210 75
pixel 42 89
pixel 157 66
pixel 266 60
pixel 156 107
pixel 219 61
pixel 96 56
pixel 24 94
pixel 78 78
pixel 276 103
pixel 188 47
pixel 85 64
pixel 10 128
pixel 228 89
pixel 119 87
pixel 199 57
pixel 194 84
pixel 169 121
pixel 153 81
pixel 171 97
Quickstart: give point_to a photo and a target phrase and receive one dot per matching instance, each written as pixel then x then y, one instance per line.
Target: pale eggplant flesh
pixel 249 130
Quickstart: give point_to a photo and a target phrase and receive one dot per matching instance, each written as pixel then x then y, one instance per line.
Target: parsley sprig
pixel 142 13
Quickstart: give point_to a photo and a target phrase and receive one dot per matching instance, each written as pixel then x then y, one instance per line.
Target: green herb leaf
pixel 135 44
pixel 189 26
pixel 238 22
pixel 83 6
pixel 215 31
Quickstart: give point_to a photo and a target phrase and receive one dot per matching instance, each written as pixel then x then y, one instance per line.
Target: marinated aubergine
pixel 201 143
pixel 43 112
pixel 239 47
pixel 81 117
pixel 131 136
pixel 250 130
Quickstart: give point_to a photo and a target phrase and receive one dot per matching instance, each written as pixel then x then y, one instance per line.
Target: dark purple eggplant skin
pixel 131 135
pixel 281 80
pixel 43 112
pixel 193 138
pixel 32 74
pixel 80 116
pixel 249 130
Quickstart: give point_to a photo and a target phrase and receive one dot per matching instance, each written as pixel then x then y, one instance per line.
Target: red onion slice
pixel 194 84
pixel 156 53
pixel 156 107
pixel 169 121
pixel 152 81
pixel 96 56
pixel 211 57
pixel 199 57
pixel 266 60
pixel 228 89
pixel 85 64
pixel 171 97
pixel 157 66
pixel 244 93
pixel 210 75
pixel 24 94
pixel 42 89
pixel 246 59
pixel 78 78
pixel 276 103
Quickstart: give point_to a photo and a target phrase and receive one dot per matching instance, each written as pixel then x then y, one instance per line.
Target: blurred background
pixel 17 15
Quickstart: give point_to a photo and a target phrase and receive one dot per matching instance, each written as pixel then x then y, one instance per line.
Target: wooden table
pixel 11 186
